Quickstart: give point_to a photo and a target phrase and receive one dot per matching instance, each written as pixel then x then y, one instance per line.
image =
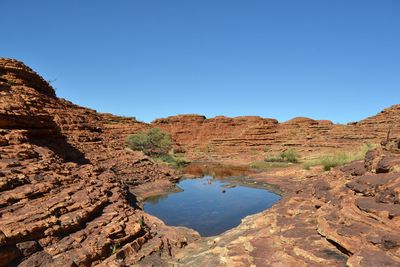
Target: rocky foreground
pixel 64 179
pixel 350 216
pixel 69 189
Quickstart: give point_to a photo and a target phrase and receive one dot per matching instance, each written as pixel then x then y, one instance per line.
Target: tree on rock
pixel 152 142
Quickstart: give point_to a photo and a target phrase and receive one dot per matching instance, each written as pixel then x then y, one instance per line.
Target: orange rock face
pixel 347 217
pixel 64 175
pixel 222 138
pixel 363 216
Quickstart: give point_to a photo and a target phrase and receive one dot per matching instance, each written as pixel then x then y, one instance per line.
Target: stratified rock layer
pixel 349 216
pixel 64 175
pixel 222 138
pixel 361 212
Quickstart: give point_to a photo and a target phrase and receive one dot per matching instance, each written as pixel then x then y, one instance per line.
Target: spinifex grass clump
pixel 172 160
pixel 289 156
pixel 281 160
pixel 339 158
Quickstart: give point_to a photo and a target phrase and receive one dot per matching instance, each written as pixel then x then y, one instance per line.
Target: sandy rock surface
pixel 248 138
pixel 349 216
pixel 64 178
pixel 69 188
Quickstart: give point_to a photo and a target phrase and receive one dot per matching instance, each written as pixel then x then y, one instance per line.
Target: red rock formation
pixel 363 217
pixel 223 137
pixel 64 175
pixel 349 216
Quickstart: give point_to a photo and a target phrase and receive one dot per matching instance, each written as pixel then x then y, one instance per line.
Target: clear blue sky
pixel 331 59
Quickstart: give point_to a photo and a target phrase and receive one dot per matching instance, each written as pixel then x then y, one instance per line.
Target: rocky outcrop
pixel 349 216
pixel 222 138
pixel 64 180
pixel 69 188
pixel 361 213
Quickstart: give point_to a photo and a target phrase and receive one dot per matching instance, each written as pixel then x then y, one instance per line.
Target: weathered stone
pixel 245 139
pixel 27 248
pixel 354 169
pixel 65 175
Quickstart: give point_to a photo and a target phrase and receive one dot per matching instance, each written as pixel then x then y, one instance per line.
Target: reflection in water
pixel 215 170
pixel 209 207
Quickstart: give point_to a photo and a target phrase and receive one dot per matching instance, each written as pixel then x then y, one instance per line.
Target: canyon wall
pixel 224 138
pixel 64 175
pixel 69 188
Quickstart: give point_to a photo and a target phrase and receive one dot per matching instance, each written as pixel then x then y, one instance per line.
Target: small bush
pixel 289 155
pixel 133 118
pixel 253 152
pixel 274 159
pixel 152 142
pixel 172 160
pixel 307 166
pixel 123 120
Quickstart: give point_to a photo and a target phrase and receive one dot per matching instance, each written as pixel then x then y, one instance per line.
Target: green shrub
pixel 253 151
pixel 273 159
pixel 172 160
pixel 152 142
pixel 307 166
pixel 133 118
pixel 289 155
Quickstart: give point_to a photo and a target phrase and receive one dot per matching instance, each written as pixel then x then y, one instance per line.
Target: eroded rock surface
pixel 223 139
pixel 68 188
pixel 64 175
pixel 349 216
pixel 362 212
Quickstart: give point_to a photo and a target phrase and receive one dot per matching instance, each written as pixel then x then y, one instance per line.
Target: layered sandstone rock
pixel 64 175
pixel 349 216
pixel 222 138
pixel 361 212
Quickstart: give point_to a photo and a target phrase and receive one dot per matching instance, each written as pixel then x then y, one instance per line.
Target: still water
pixel 209 206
